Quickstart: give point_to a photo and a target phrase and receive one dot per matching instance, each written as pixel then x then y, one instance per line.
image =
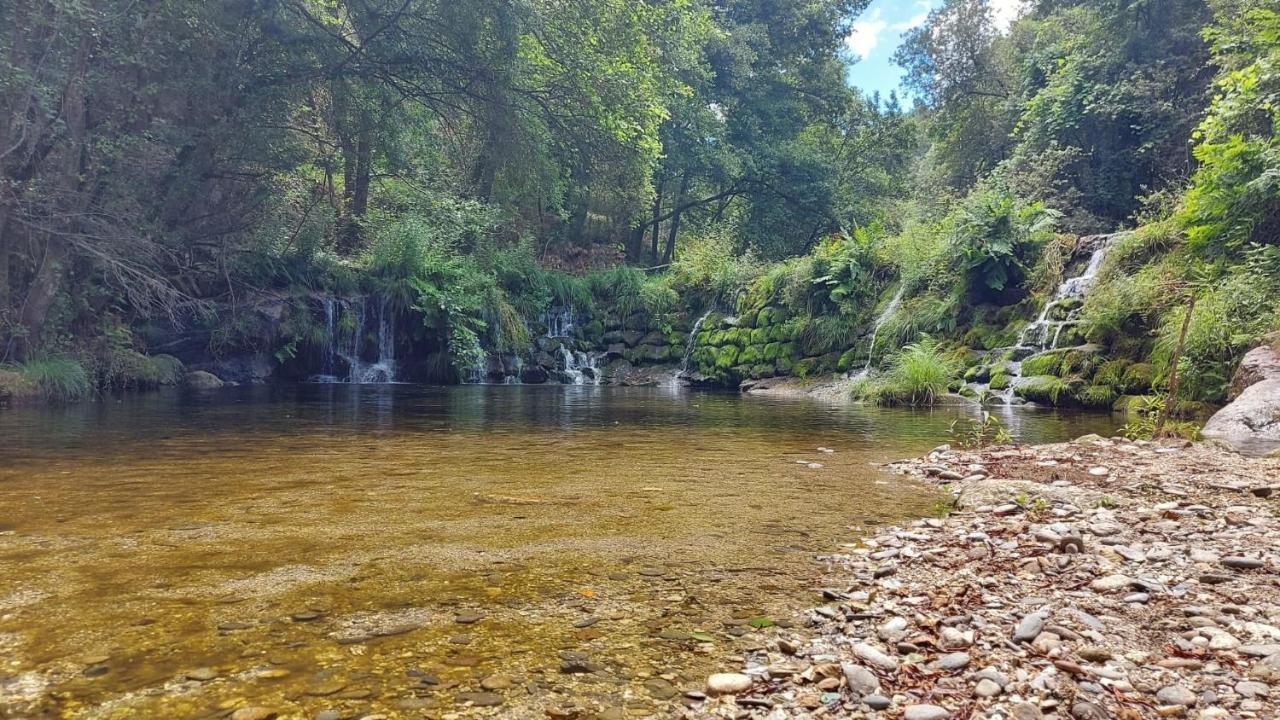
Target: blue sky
pixel 877 33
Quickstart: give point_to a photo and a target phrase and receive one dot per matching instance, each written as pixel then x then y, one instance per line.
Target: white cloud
pixel 1006 11
pixel 916 20
pixel 866 35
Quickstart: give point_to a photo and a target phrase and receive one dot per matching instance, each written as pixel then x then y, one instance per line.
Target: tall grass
pixel 918 375
pixel 61 379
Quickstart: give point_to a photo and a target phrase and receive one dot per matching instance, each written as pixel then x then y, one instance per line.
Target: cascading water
pixel 559 321
pixel 579 368
pixel 351 352
pixel 1061 312
pixel 894 303
pixel 693 341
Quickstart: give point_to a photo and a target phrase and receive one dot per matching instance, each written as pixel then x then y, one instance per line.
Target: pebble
pixel 1175 695
pixel 1029 627
pixel 1242 563
pixel 254 713
pixel 201 674
pixel 925 712
pixel 728 683
pixel 874 656
pixel 860 680
pixel 953 661
pixel 1110 583
pixel 877 702
pixel 987 688
pixel 480 699
pixel 497 682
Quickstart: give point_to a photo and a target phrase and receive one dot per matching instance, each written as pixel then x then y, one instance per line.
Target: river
pixel 336 551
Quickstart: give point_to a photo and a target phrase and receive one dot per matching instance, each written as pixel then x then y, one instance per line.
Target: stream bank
pixel 1088 580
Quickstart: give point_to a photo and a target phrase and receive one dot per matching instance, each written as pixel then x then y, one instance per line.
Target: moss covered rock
pixel 1138 378
pixel 1047 363
pixel 1000 380
pixel 1044 389
pixel 751 355
pixel 772 351
pixel 1111 372
pixel 1097 396
pixel 726 357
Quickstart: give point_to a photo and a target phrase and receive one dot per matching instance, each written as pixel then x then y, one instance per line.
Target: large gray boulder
pixel 1251 423
pixel 201 380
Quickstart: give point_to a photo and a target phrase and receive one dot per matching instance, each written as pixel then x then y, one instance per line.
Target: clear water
pixel 146 536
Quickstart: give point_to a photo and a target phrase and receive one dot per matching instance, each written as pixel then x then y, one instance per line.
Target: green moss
pixel 1097 396
pixel 1000 380
pixel 1044 389
pixel 1081 361
pixel 760 336
pixel 751 355
pixel 1138 378
pixel 805 367
pixel 762 371
pixel 784 365
pixel 1049 363
pixel 849 360
pixel 778 333
pixel 787 350
pixel 1111 372
pixel 978 374
pixel 726 357
pixel 772 351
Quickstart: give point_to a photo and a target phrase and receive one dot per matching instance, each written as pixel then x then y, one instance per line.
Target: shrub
pixel 918 375
pixel 58 378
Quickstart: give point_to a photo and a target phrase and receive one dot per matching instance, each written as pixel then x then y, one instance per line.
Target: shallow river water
pixel 403 551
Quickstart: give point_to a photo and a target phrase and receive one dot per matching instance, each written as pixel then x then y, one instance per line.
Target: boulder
pixel 201 380
pixel 1261 363
pixel 1251 423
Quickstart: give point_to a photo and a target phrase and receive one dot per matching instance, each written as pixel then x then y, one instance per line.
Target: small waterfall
pixel 693 341
pixel 351 352
pixel 560 322
pixel 1060 312
pixel 887 313
pixel 578 367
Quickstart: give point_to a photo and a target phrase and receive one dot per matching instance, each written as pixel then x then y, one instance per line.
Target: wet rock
pixel 728 683
pixel 254 713
pixel 497 682
pixel 468 618
pixel 202 674
pixel 660 689
pixel 480 699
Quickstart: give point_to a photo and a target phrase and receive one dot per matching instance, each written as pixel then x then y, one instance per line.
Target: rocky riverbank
pixel 1089 580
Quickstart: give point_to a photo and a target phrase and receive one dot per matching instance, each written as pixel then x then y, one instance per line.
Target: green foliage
pixel 1234 194
pixel 970 433
pixel 995 233
pixel 1096 396
pixel 1230 318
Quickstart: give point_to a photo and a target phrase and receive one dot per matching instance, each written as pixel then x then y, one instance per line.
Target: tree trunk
pixel 44 288
pixel 364 161
pixel 669 254
pixel 657 213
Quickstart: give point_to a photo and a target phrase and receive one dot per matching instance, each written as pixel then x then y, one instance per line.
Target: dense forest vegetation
pixel 194 179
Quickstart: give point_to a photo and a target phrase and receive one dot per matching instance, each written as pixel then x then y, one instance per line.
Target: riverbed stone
pixel 925 712
pixel 728 683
